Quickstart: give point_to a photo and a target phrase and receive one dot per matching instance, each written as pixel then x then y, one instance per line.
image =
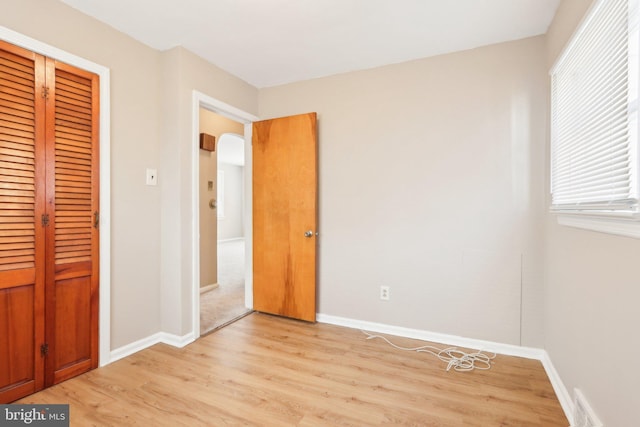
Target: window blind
pixel 594 87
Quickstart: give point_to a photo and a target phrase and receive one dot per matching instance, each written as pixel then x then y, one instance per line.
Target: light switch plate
pixel 152 177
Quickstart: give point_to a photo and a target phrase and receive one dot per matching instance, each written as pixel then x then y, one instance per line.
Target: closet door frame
pixel 103 72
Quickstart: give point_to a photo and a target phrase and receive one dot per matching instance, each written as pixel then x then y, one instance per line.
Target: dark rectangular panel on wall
pixel 207 142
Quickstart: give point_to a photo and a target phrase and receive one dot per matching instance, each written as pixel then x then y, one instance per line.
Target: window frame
pixel 619 221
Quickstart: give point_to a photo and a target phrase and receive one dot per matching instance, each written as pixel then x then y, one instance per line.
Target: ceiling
pixel 272 42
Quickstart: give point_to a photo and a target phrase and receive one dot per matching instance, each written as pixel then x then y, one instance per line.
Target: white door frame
pixel 200 100
pixel 105 174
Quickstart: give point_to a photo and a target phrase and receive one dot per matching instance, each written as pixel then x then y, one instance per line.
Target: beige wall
pixel 432 183
pixel 135 223
pixel 184 72
pixel 592 294
pixel 212 124
pixel 151 283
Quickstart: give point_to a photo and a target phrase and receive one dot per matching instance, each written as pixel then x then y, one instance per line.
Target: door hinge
pixel 45 220
pixel 45 92
pixel 96 219
pixel 44 350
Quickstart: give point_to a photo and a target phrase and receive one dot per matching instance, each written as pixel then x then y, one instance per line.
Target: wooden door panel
pixel 17 338
pixel 72 237
pixel 72 346
pixel 21 235
pixel 284 208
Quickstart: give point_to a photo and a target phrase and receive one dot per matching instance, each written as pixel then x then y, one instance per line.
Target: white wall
pixel 592 295
pixel 232 225
pixel 431 182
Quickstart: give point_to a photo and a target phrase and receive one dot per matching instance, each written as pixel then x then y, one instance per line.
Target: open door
pixel 285 182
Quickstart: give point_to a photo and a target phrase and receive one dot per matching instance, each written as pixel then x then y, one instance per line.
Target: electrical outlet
pixel 384 293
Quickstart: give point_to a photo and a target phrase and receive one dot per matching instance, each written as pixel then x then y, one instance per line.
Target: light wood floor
pixel 269 371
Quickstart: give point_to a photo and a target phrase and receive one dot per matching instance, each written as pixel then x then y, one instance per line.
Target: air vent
pixel 583 415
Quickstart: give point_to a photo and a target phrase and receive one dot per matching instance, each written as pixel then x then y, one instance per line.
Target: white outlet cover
pixel 152 177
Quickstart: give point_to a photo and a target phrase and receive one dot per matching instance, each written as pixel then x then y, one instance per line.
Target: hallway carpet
pixel 225 303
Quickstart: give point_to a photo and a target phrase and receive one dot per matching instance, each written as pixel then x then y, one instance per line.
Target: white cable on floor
pixel 456 359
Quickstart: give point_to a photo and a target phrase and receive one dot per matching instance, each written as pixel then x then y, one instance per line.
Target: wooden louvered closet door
pixel 72 233
pixel 48 222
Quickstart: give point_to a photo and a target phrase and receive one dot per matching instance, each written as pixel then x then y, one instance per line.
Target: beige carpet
pixel 225 303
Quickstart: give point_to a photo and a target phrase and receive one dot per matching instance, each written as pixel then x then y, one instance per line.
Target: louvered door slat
pixel 17 179
pixel 69 160
pixel 14 114
pixel 69 141
pixel 18 207
pixel 15 77
pixel 69 148
pixel 17 133
pixel 15 156
pixel 13 98
pixel 9 170
pixel 17 95
pixel 73 133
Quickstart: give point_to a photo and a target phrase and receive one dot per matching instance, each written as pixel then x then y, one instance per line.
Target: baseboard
pixel 208 288
pixel 177 341
pixel 160 337
pixel 233 239
pixel 134 347
pixel 454 340
pixel 558 386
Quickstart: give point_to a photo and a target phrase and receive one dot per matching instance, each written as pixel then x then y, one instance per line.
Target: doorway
pixel 222 243
pixel 221 225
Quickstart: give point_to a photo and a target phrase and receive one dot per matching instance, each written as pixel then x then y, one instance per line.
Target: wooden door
pixel 21 236
pixel 285 216
pixel 48 222
pixel 72 233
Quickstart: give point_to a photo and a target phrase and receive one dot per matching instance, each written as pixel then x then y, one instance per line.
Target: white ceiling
pixel 272 42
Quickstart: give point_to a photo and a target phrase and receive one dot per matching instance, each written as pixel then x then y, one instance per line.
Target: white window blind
pixel 594 94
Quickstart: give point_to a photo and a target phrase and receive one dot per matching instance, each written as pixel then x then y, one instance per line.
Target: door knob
pixel 308 233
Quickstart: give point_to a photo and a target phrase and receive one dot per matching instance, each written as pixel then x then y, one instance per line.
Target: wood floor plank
pixel 268 371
